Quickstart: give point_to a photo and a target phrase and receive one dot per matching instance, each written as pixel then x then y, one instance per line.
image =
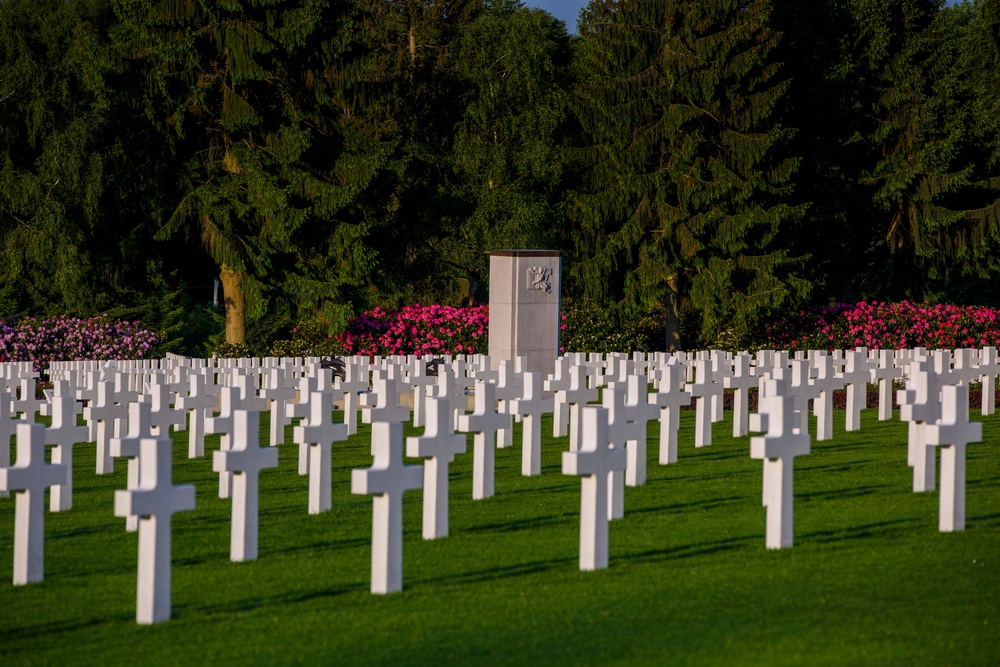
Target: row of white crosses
pixel 621 423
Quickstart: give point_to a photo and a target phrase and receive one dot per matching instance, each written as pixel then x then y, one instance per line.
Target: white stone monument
pixel 524 307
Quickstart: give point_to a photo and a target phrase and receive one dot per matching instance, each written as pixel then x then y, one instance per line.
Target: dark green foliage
pixel 711 161
pixel 588 327
pixel 308 339
pixel 690 185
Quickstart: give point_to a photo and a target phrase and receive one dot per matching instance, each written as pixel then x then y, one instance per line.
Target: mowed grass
pixel 870 580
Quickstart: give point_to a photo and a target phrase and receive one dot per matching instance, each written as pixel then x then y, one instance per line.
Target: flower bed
pixel 420 330
pixel 885 326
pixel 63 338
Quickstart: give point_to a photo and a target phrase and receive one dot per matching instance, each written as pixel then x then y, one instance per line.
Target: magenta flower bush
pixel 420 330
pixel 63 338
pixel 885 326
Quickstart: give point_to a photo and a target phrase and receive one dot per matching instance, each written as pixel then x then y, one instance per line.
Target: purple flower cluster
pixel 886 326
pixel 63 338
pixel 420 330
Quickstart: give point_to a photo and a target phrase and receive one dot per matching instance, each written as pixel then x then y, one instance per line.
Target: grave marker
pixel 596 461
pixel 387 480
pixel 438 446
pixel 28 479
pixel 154 503
pixel 952 433
pixel 484 422
pixel 244 460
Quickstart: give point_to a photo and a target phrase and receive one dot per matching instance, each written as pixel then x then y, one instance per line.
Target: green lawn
pixel 870 580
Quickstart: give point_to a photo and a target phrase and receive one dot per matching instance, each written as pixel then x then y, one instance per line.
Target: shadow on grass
pixel 836 467
pixel 20 633
pixel 854 492
pixel 501 572
pixel 259 601
pixel 522 524
pixel 698 504
pixel 990 520
pixel 696 549
pixel 857 532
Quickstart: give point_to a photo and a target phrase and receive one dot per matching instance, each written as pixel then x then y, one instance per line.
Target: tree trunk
pixel 235 312
pixel 671 305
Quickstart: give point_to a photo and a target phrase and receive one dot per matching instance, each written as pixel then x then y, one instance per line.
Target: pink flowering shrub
pixel 420 330
pixel 70 338
pixel 885 326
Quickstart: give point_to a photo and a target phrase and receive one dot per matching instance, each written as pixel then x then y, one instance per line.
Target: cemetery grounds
pixel 870 580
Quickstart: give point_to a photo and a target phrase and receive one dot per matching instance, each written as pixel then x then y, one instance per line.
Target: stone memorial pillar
pixel 524 307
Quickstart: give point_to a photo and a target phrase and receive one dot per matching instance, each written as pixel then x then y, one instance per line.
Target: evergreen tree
pixel 508 154
pixel 935 194
pixel 71 166
pixel 414 46
pixel 687 197
pixel 244 91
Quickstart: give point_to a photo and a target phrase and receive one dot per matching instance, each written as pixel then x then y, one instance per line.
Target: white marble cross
pixel 510 386
pixel 277 394
pixel 989 366
pixel 128 446
pixel 299 409
pixel 558 382
pixel 438 446
pixel 671 397
pixel 638 412
pixel 857 372
pixel 27 405
pixel 596 461
pixel 387 407
pixel 920 405
pixel 64 434
pixel 154 503
pixel 530 407
pixel 199 404
pixel 952 433
pixel 620 431
pixel 387 480
pixel 884 372
pixel 484 421
pixel 222 425
pixel 825 383
pixel 576 396
pixel 28 479
pixel 722 368
pixel 703 389
pixel 244 460
pixel 355 381
pixel 109 415
pixel 7 429
pixel 162 415
pixel 778 448
pixel 318 437
pixel 740 380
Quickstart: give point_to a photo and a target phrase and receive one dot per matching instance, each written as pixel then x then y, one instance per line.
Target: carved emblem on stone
pixel 538 278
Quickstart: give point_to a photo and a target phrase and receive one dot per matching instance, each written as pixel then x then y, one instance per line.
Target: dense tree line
pixel 711 161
